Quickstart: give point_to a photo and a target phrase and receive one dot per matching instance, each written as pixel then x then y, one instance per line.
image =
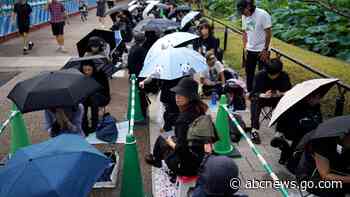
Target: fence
pixel 39 14
pixel 341 87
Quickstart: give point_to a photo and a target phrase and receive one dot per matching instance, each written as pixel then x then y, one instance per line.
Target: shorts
pixel 57 28
pixel 23 27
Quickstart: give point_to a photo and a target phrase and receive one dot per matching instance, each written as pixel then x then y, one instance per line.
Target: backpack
pixel 202 130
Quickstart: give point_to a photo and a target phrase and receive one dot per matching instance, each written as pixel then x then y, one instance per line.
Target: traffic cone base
pixel 132 184
pixel 224 146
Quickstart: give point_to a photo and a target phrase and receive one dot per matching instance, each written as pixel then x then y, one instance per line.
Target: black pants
pixel 252 59
pixel 92 102
pixel 208 90
pixel 255 109
pixel 170 115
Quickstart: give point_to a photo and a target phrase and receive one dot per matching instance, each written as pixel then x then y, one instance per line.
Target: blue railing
pixel 39 14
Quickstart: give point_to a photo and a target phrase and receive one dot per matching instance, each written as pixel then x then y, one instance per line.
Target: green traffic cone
pixel 132 184
pixel 224 146
pixel 137 104
pixel 19 134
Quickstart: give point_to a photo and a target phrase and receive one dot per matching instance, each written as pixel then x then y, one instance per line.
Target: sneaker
pixel 152 161
pixel 254 136
pixel 63 50
pixel 25 51
pixel 279 142
pixel 30 45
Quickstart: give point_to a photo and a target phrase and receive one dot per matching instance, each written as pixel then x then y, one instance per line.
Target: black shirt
pixel 206 44
pixel 332 150
pixel 23 13
pixel 263 83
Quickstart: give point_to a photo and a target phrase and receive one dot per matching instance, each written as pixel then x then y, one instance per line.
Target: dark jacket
pixel 190 157
pixel 263 83
pixel 299 120
pixel 136 58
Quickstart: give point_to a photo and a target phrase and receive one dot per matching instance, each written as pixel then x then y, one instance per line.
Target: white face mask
pixel 94 49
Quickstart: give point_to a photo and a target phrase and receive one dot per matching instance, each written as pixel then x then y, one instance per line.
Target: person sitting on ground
pixel 98 99
pixel 64 120
pixel 215 175
pixel 234 91
pixel 330 156
pixel 188 155
pixel 269 86
pixel 213 78
pixel 302 118
pixel 207 42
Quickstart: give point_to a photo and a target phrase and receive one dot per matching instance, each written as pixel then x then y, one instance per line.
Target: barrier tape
pixel 132 110
pixel 256 151
pixel 3 126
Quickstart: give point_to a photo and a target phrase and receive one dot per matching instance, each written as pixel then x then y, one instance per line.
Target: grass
pixel 334 67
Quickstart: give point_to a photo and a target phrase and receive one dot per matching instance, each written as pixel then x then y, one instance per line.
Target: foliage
pixel 313 28
pixel 309 26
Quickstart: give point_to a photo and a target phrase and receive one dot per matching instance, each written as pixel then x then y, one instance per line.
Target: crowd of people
pixel 191 159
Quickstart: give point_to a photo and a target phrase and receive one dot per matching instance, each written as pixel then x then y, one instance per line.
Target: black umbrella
pixel 106 35
pixel 157 25
pixel 334 127
pixel 117 8
pixel 101 63
pixel 64 88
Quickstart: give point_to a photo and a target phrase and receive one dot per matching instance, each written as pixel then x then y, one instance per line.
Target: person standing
pixel 257 33
pixel 22 11
pixel 57 13
pixel 101 9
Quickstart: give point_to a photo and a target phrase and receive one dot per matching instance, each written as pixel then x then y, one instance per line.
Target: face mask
pixel 94 49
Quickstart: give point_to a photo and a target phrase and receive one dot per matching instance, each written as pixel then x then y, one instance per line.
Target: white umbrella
pixel 188 18
pixel 148 8
pixel 170 63
pixel 132 3
pixel 174 39
pixel 297 93
pixel 133 7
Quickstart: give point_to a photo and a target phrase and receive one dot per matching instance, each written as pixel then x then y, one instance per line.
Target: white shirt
pixel 212 74
pixel 255 26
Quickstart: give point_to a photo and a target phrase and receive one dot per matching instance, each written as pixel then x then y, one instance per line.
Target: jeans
pixel 252 60
pixel 255 109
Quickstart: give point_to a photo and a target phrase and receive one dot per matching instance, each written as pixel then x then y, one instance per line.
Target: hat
pixel 274 66
pixel 217 173
pixel 188 87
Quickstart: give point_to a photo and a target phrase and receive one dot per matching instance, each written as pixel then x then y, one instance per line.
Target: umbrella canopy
pixel 117 8
pixel 188 18
pixel 174 39
pixel 157 24
pixel 64 88
pixel 173 63
pixel 101 63
pixel 133 7
pixel 148 8
pixel 334 127
pixel 109 36
pixel 66 165
pixel 132 3
pixel 298 93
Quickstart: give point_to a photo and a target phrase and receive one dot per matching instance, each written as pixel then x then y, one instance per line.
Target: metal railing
pixel 342 87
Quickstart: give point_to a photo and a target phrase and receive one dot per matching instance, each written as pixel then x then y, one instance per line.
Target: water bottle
pixel 214 98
